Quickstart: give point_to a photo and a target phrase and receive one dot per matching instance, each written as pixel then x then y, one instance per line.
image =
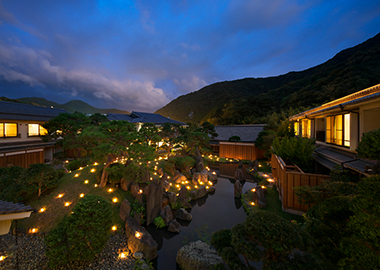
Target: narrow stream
pixel 210 213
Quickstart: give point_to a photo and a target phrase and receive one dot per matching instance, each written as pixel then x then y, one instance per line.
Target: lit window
pixel 8 130
pixel 338 129
pixel 306 128
pixel 33 130
pixel 296 128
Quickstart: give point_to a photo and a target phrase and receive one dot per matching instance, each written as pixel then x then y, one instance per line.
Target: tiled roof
pixel 142 117
pixel 10 208
pixel 247 133
pixel 21 111
pixel 357 97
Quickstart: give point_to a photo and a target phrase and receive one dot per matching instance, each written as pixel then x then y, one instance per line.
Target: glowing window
pixel 43 131
pixel 296 128
pixel 347 130
pixel 10 130
pixel 33 130
pixel 1 129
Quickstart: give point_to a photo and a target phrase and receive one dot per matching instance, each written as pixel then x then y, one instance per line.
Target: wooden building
pixel 20 131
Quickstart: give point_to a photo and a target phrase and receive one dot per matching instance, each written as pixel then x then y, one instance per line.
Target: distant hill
pixel 71 106
pixel 248 100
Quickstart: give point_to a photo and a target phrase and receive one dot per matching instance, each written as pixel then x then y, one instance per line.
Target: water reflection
pixel 211 213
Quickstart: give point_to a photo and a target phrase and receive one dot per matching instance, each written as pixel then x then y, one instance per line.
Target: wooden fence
pixel 287 177
pixel 22 158
pixel 239 150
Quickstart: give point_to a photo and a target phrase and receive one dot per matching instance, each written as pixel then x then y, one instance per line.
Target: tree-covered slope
pixel 247 100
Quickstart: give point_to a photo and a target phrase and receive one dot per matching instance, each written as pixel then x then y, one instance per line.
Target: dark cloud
pixel 138 55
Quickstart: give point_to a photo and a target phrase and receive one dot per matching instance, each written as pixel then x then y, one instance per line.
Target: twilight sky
pixel 140 55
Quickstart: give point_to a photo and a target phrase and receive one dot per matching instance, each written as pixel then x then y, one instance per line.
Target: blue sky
pixel 140 55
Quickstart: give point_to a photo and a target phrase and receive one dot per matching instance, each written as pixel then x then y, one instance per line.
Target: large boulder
pixel 213 176
pixel 238 188
pixel 125 184
pixel 140 240
pixel 183 215
pixel 174 226
pixel 182 193
pixel 153 200
pixel 167 214
pixel 196 178
pixel 179 178
pixel 145 176
pixel 125 209
pixel 239 174
pixel 172 197
pixel 198 255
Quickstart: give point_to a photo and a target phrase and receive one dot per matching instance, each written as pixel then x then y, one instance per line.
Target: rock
pixel 153 201
pixel 261 201
pixel 204 177
pixel 193 194
pixel 145 176
pixel 183 214
pixel 201 192
pixel 198 255
pixel 172 197
pixel 165 202
pixel 143 243
pixel 125 209
pixel 179 178
pixel 166 185
pixel 237 189
pixel 211 189
pixel 182 193
pixel 196 178
pixel 138 255
pixel 125 184
pixel 239 174
pixel 138 218
pixel 167 214
pixel 160 171
pixel 199 165
pixel 213 176
pixel 185 203
pixel 174 226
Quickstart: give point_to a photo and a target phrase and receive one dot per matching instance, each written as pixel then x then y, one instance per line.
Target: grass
pixel 263 166
pixel 273 205
pixel 71 186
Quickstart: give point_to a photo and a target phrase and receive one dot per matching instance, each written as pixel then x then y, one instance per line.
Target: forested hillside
pixel 249 100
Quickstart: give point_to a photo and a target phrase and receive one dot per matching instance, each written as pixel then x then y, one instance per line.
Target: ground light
pixel 42 209
pixel 2 258
pixel 81 195
pixel 138 235
pixel 92 170
pixel 60 195
pixel 115 200
pixel 114 228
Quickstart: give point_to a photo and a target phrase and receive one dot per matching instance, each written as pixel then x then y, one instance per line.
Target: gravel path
pixel 31 254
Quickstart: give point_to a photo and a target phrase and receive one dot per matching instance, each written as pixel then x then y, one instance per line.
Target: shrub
pixel 80 236
pixel 369 146
pixel 297 150
pixel 264 139
pixel 39 178
pixel 12 186
pixel 159 222
pixel 76 163
pixel 234 139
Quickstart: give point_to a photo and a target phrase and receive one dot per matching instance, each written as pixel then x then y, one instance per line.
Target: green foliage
pixel 115 172
pixel 234 139
pixel 180 163
pixel 221 239
pixel 80 236
pixel 139 265
pixel 362 246
pixel 326 222
pixel 18 184
pixel 209 129
pixel 75 164
pixel 264 139
pixel 159 222
pixel 297 150
pixel 369 146
pixel 137 208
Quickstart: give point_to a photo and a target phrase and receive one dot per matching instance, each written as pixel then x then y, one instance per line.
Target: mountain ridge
pixel 248 100
pixel 70 106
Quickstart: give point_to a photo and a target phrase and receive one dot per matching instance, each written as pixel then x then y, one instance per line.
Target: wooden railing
pixel 21 158
pixel 239 150
pixel 288 177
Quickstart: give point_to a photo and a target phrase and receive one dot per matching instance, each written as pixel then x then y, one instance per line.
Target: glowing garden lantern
pixel 81 195
pixel 196 186
pixel 86 182
pixel 122 255
pixel 114 200
pixel 80 168
pixel 2 258
pixel 263 187
pixel 138 235
pixel 110 190
pixel 33 230
pixel 188 187
pixel 252 203
pixel 140 191
pixel 42 210
pixel 92 170
pixel 210 183
pixel 96 185
pixel 207 187
pixel 60 195
pixel 67 204
pixel 114 228
pixel 170 184
pixel 253 190
pixel 96 163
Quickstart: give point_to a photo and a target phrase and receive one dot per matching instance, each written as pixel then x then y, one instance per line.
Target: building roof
pixel 142 117
pixel 247 133
pixel 21 111
pixel 355 98
pixel 10 208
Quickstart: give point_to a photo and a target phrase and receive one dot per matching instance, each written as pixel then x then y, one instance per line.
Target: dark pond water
pixel 211 213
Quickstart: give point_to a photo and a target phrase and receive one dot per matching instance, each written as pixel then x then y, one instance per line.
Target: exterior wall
pixel 22 158
pixel 22 130
pixel 239 150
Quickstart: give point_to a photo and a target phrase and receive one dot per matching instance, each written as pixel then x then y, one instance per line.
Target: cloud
pixel 189 85
pixel 35 67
